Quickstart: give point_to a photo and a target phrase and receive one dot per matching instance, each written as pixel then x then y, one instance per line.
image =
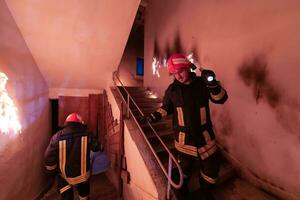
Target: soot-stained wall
pixel 253 48
pixel 22 172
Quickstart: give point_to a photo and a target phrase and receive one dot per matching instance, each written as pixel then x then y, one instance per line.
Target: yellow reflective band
pixel 62 157
pixel 204 151
pixel 162 112
pixel 181 138
pixel 52 167
pixel 180 61
pixel 62 190
pixel 203 115
pixel 207 147
pixel 218 96
pixel 208 179
pixel 207 137
pixel 83 154
pixel 180 116
pixel 83 198
pixel 78 179
pixel 209 152
pixel 187 149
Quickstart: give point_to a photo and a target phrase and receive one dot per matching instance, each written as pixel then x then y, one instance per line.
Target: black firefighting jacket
pixel 69 153
pixel 189 105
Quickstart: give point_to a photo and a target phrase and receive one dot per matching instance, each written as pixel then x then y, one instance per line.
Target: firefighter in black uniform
pixel 68 156
pixel 187 98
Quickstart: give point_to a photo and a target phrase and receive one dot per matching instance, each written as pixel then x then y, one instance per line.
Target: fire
pixel 155 67
pixel 8 111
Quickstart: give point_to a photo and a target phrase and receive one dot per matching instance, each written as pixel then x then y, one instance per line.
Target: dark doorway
pixel 140 67
pixel 54 117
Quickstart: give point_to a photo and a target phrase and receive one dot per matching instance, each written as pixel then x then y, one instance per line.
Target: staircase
pixel 146 104
pixel 229 185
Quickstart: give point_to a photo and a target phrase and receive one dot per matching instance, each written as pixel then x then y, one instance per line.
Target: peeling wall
pixel 253 48
pixel 22 172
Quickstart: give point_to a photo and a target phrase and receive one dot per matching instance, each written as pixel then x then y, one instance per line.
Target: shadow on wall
pixel 255 74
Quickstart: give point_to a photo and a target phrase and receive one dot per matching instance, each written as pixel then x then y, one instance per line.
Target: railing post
pixel 128 100
pixel 169 175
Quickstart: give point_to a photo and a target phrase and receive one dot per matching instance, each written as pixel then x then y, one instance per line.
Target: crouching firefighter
pixel 187 98
pixel 68 156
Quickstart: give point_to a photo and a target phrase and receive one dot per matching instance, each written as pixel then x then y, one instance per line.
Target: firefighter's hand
pixel 147 118
pixel 209 78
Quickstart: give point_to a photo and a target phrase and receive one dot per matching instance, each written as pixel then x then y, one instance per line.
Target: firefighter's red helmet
pixel 177 62
pixel 74 117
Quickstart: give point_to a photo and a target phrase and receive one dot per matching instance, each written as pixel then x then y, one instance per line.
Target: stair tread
pixel 163 133
pixel 159 148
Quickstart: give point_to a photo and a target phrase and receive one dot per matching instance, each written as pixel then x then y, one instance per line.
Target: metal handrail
pixel 171 156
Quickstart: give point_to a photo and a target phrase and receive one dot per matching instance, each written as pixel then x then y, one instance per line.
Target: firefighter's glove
pixel 151 118
pixel 209 78
pixel 147 118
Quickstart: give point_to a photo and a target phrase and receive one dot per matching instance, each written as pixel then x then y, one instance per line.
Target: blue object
pixel 99 162
pixel 140 66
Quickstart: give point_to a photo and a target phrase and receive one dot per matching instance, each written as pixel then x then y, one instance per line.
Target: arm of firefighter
pixel 218 94
pixel 51 154
pixel 164 110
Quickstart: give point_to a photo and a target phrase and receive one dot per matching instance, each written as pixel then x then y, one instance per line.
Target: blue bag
pixel 99 162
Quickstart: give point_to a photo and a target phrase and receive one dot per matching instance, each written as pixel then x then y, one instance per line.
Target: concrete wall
pixel 253 48
pixel 134 49
pixel 141 185
pixel 22 173
pixel 76 44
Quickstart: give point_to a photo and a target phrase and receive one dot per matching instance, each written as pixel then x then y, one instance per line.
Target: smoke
pixel 156 49
pixel 177 44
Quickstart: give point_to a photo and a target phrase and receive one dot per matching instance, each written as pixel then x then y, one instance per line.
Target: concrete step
pixel 147 110
pixel 163 134
pixel 133 88
pixel 150 104
pixel 158 126
pixel 158 147
pixel 139 100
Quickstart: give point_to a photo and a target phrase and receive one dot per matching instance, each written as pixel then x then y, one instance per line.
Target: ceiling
pixel 76 44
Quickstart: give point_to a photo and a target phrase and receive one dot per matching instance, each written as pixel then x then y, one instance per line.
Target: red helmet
pixel 177 62
pixel 74 117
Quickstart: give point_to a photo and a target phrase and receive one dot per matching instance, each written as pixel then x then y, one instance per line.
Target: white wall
pixel 253 48
pixel 134 49
pixel 141 185
pixel 22 172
